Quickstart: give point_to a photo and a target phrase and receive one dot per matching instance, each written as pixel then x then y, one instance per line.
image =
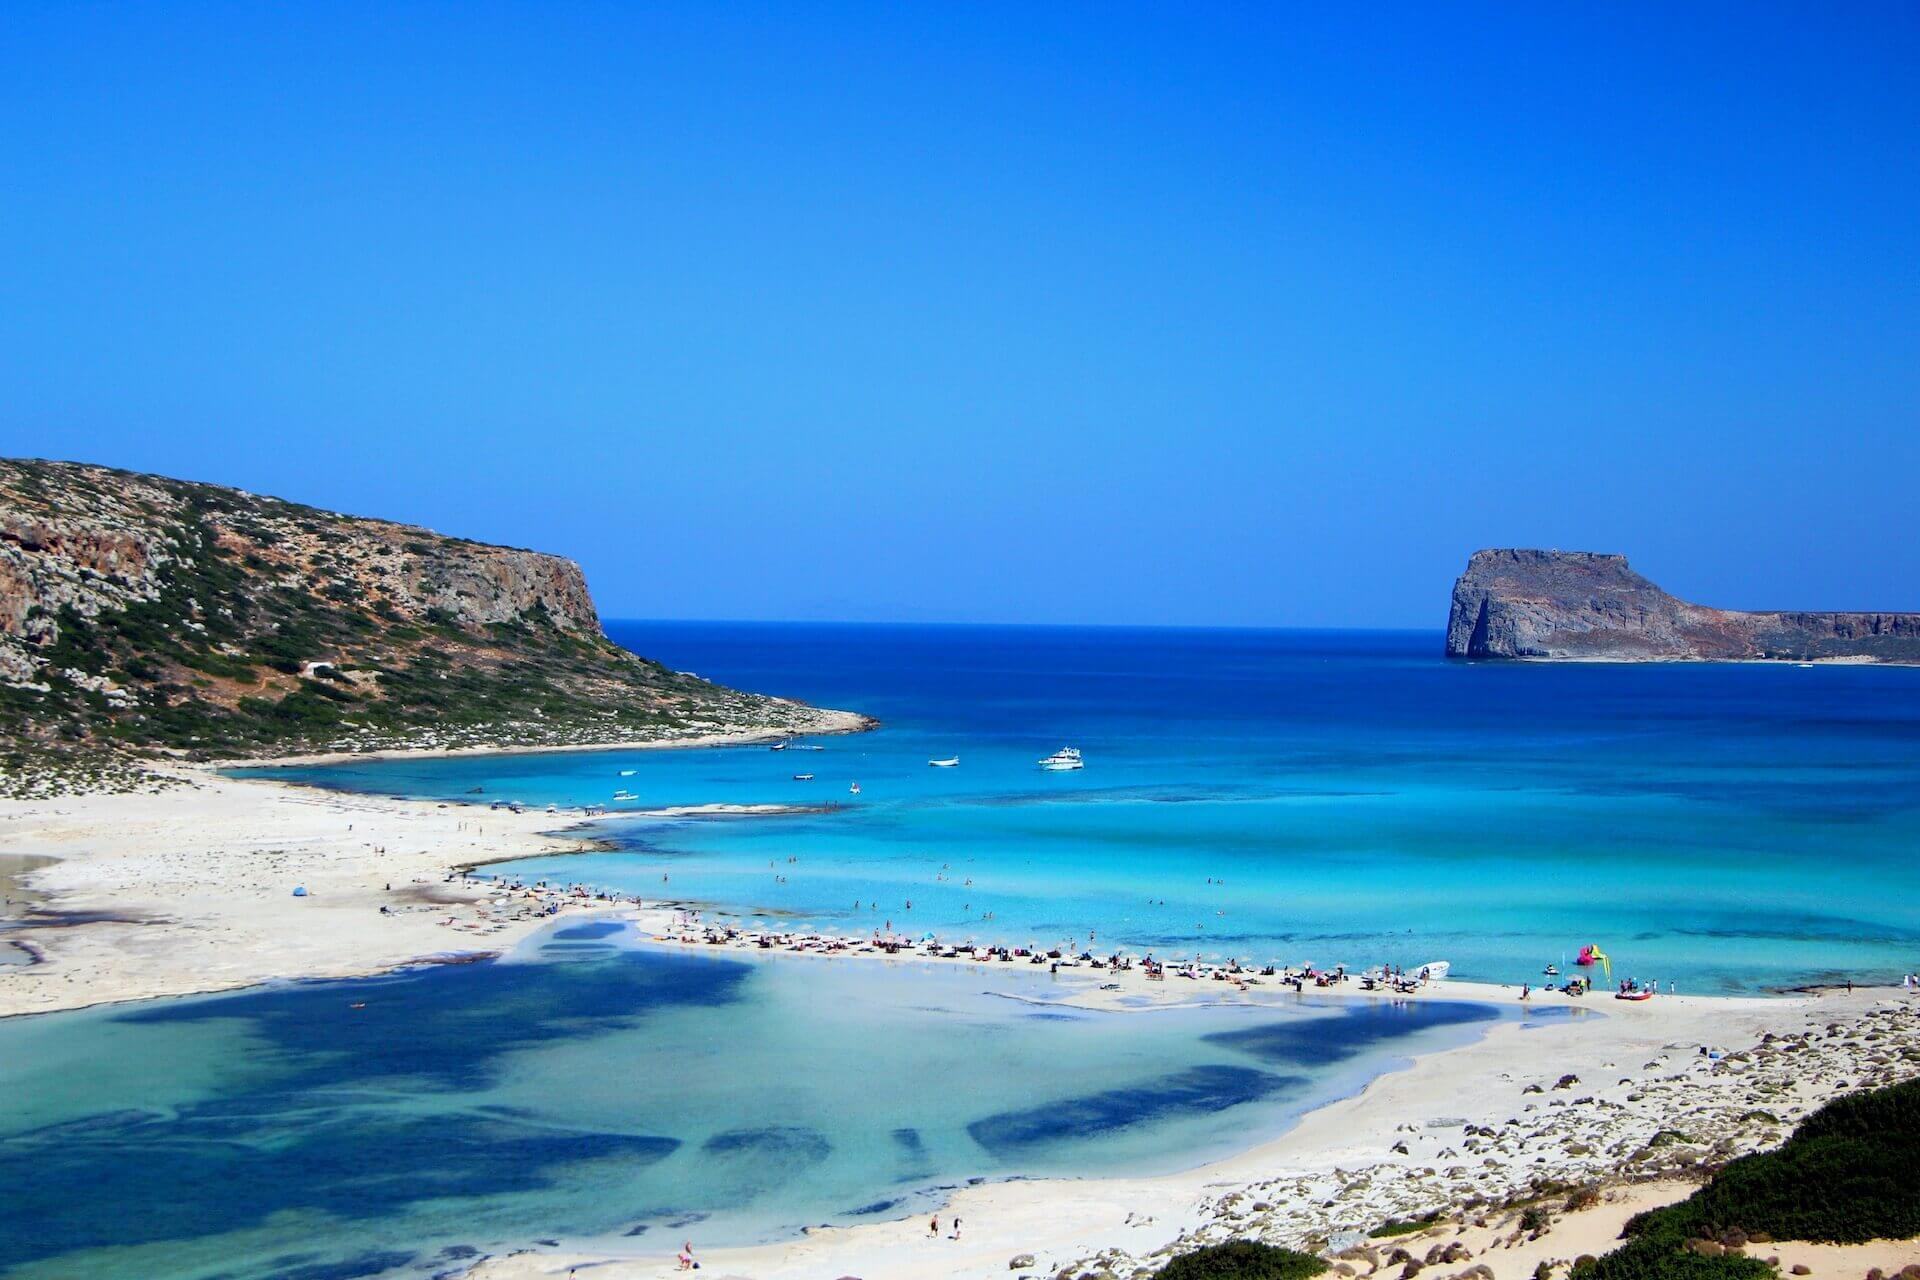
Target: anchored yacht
pixel 1063 759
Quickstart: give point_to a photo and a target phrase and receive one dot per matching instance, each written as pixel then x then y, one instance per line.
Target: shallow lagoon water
pixel 1295 797
pixel 589 1088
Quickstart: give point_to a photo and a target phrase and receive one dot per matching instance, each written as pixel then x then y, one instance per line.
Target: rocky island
pixel 142 616
pixel 1586 606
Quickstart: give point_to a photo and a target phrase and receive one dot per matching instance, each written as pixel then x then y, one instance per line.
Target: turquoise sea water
pixel 586 1089
pixel 1297 797
pixel 1301 797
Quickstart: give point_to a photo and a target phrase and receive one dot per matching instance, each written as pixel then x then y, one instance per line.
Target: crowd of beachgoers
pixel 685 926
pixel 671 922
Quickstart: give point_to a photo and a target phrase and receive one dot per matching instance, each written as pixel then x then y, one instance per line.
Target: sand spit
pixel 187 886
pixel 812 722
pixel 191 888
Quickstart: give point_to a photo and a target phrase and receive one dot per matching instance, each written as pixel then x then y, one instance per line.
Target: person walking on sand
pixel 956 1229
pixel 933 1228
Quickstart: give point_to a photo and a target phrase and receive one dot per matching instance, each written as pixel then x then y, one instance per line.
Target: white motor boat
pixel 1435 970
pixel 1063 759
pixel 950 762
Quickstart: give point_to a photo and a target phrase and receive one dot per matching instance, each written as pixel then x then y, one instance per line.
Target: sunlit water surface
pixel 590 1088
pixel 1294 797
pixel 1297 797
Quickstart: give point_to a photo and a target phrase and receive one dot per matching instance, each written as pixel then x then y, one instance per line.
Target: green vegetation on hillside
pixel 1849 1173
pixel 164 616
pixel 1243 1260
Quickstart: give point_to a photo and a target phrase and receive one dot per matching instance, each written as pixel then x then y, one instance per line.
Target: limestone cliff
pixel 1583 605
pixel 152 613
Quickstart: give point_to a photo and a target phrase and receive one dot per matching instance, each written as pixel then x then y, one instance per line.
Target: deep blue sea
pixel 1323 797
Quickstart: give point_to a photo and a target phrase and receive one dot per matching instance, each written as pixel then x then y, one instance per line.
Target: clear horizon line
pixel 1031 626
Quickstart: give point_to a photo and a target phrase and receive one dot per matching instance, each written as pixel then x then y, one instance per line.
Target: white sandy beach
pixel 816 722
pixel 1399 1149
pixel 200 880
pixel 201 875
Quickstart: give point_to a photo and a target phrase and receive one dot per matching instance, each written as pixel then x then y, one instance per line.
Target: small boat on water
pixel 1062 760
pixel 779 746
pixel 1435 970
pixel 803 777
pixel 1553 971
pixel 854 790
pixel 951 762
pixel 628 773
pixel 624 794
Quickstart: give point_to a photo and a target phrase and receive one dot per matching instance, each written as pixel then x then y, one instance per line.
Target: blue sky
pixel 1251 314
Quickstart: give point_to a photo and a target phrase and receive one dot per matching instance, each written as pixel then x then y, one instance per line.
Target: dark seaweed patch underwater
pixel 332 1124
pixel 404 1123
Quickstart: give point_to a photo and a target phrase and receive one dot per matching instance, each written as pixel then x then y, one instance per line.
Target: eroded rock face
pixel 1515 603
pixel 499 584
pixel 77 541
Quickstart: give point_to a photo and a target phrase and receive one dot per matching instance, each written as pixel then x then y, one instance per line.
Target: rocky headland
pixel 1581 605
pixel 147 616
